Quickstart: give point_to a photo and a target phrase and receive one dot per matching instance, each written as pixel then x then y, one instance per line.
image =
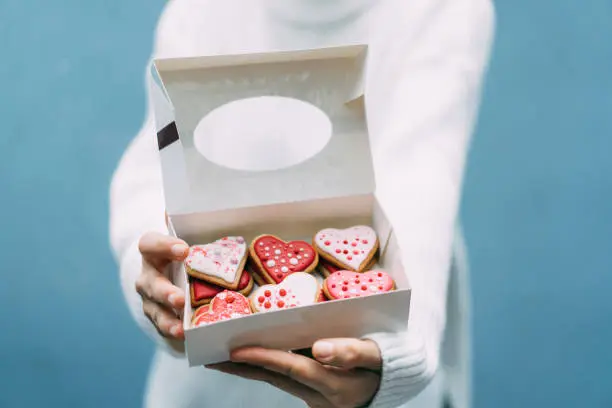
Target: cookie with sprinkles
pixel 349 284
pixel 224 306
pixel 220 263
pixel 275 259
pixel 297 289
pixel 352 249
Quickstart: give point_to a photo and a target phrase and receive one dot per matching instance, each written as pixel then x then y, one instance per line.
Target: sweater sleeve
pixel 136 207
pixel 136 196
pixel 426 94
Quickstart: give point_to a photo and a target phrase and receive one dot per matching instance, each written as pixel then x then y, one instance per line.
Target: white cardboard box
pixel 314 171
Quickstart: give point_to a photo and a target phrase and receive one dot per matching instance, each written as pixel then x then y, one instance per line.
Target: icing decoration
pixel 220 259
pixel 348 284
pixel 226 305
pixel 297 289
pixel 285 254
pixel 351 247
pixel 203 290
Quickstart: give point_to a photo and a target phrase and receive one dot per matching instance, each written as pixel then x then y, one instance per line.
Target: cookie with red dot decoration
pixel 220 263
pixel 297 289
pixel 224 306
pixel 352 249
pixel 274 259
pixel 203 292
pixel 349 284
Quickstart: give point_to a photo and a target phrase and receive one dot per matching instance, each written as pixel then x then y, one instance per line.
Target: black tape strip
pixel 167 136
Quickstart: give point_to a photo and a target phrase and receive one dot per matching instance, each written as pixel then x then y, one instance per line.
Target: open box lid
pixel 219 154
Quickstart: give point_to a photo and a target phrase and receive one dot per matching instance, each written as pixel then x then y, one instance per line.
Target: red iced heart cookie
pixel 202 292
pixel 348 284
pixel 351 249
pixel 276 259
pixel 226 305
pixel 297 289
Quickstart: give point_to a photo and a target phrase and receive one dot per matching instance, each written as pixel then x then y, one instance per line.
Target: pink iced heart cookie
pixel 220 263
pixel 349 284
pixel 351 249
pixel 226 305
pixel 275 259
pixel 298 289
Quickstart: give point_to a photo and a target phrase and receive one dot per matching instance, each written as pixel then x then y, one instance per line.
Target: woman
pixel 425 67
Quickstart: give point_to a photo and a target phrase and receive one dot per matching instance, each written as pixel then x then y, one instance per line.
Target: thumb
pixel 348 353
pixel 159 247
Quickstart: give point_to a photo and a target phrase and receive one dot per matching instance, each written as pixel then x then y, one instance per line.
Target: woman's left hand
pixel 343 373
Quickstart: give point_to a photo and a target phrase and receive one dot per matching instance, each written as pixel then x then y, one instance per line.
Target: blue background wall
pixel 536 208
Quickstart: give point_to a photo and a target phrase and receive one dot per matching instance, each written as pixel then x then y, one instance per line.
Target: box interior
pixel 382 312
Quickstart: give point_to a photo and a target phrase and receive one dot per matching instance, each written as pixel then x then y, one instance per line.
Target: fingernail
pixel 172 299
pixel 323 350
pixel 175 330
pixel 179 250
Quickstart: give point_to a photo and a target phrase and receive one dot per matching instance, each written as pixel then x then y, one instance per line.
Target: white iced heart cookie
pixel 220 262
pixel 297 289
pixel 352 248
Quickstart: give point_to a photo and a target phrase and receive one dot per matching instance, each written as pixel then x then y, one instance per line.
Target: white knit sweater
pixel 426 63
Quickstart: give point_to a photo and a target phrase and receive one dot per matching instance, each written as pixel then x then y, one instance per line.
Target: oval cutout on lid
pixel 262 133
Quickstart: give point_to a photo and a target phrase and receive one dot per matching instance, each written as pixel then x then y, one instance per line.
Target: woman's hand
pixel 161 300
pixel 342 373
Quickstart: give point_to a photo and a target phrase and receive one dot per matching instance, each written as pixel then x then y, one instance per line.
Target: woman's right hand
pixel 161 300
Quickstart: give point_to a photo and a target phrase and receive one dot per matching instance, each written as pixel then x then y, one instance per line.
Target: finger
pixel 299 368
pixel 166 323
pixel 348 353
pixel 156 247
pixel 308 395
pixel 155 286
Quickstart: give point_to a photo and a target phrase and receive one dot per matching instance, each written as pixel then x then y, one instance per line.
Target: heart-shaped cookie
pixel 351 249
pixel 297 289
pixel 220 263
pixel 226 305
pixel 203 292
pixel 276 259
pixel 349 284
